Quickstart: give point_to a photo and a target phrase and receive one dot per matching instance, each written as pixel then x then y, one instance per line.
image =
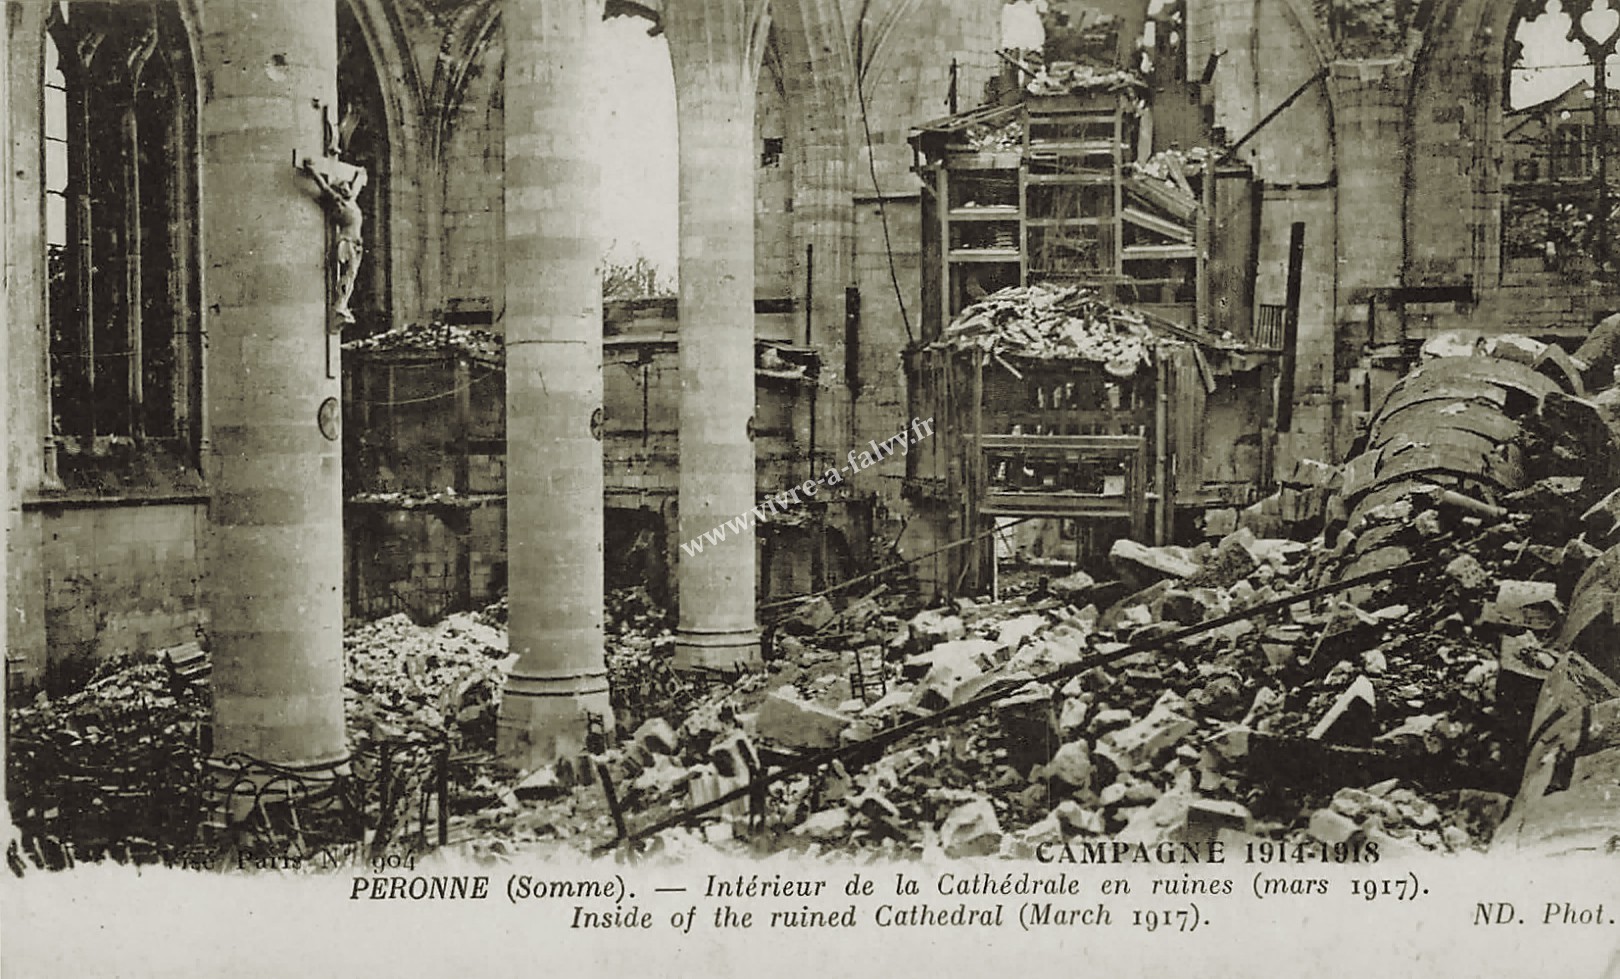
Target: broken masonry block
pixel 1028 725
pixel 1071 587
pixel 1602 519
pixel 859 612
pixel 1344 636
pixel 931 626
pixel 1422 730
pixel 1207 818
pixel 1221 697
pixel 1185 608
pixel 657 736
pixel 962 656
pixel 1374 662
pixel 661 777
pixel 1230 743
pixel 1352 718
pixel 1231 562
pixel 1138 746
pixel 1327 826
pixel 789 721
pixel 1467 572
pixel 1072 716
pixel 827 825
pixel 1144 565
pixel 811 615
pixel 1071 766
pixel 1524 604
pixel 1015 631
pixel 971 830
pixel 1112 794
pixel 991 683
pixel 1357 804
pixel 1111 719
pixel 1045 655
pixel 1573 561
pixel 1123 611
pixel 897 697
pixel 1077 818
pixel 1160 822
pixel 1048 829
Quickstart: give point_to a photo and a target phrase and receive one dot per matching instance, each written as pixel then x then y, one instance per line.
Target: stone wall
pixel 93 581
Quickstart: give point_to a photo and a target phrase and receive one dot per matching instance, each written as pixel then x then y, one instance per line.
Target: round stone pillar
pixel 558 693
pixel 275 543
pixel 713 47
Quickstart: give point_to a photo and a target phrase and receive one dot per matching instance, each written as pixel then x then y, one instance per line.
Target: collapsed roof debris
pixel 1054 322
pixel 479 345
pixel 1071 78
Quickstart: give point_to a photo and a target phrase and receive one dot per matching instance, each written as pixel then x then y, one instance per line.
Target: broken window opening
pixel 118 196
pixel 1560 207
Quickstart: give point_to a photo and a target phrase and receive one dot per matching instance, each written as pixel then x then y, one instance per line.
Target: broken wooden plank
pixel 1158 225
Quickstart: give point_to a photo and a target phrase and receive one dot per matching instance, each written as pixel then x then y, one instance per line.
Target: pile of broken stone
pixel 1239 732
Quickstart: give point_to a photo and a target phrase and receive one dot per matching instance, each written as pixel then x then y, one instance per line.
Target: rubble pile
pixel 640 646
pixel 447 498
pixel 1054 322
pixel 118 759
pixel 1073 78
pixel 1392 711
pixel 436 337
pixel 1168 165
pixel 989 139
pixel 405 682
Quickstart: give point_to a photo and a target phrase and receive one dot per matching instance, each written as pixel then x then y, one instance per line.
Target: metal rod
pixel 613 803
pixel 809 287
pixel 444 796
pixel 1274 113
pixel 1290 358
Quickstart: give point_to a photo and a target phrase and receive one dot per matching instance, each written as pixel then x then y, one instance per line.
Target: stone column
pixel 276 519
pixel 715 48
pixel 1370 113
pixel 8 493
pixel 553 383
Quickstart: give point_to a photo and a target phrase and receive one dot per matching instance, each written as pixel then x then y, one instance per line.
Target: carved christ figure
pixel 340 197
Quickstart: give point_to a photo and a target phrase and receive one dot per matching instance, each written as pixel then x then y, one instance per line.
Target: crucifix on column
pixel 340 185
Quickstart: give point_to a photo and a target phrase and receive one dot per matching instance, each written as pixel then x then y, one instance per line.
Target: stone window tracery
pixel 119 220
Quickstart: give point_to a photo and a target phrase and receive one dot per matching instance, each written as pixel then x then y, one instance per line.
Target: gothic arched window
pixel 119 203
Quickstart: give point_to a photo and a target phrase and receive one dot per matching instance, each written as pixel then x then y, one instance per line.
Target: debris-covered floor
pixel 1371 684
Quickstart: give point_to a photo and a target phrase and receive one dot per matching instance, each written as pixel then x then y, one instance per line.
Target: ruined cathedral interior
pixel 1198 416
